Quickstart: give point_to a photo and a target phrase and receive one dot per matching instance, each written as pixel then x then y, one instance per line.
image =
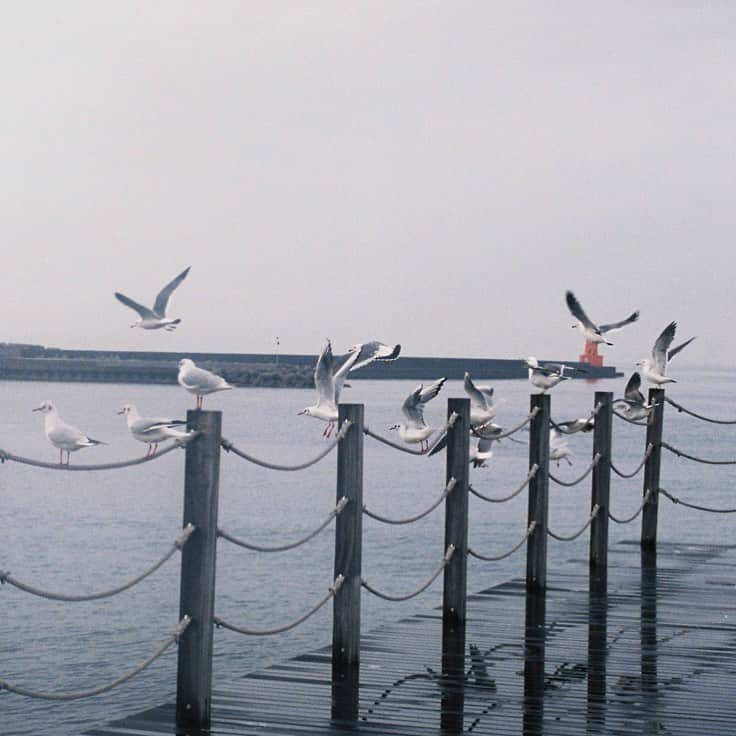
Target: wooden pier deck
pixel 655 657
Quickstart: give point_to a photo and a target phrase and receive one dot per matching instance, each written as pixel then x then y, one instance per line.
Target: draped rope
pixel 331 593
pixel 675 499
pixel 569 484
pixel 496 558
pixel 397 598
pixel 448 489
pixel 440 436
pixel 490 499
pixel 521 426
pixel 630 421
pixel 230 447
pixel 621 474
pixel 564 538
pixel 341 504
pixel 627 520
pixel 13 688
pixel 698 416
pixel 6 577
pixel 680 453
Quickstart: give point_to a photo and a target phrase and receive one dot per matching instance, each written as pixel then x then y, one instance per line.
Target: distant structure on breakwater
pixel 20 362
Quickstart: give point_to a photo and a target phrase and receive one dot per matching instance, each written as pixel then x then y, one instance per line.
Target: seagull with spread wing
pixel 414 429
pixel 591 331
pixel 654 369
pixel 482 407
pixel 633 406
pixel 154 319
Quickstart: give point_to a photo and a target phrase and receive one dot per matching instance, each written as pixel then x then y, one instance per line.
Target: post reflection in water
pixel 453 678
pixel 597 652
pixel 345 693
pixel 648 630
pixel 534 642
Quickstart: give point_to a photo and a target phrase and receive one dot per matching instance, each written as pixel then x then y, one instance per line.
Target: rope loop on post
pixel 341 504
pixel 677 500
pixel 596 459
pixel 6 577
pixel 173 639
pixel 564 538
pixel 621 474
pixel 680 453
pixel 398 598
pixel 331 593
pixel 230 447
pixel 532 472
pixel 627 520
pixel 448 489
pixel 698 416
pixel 497 558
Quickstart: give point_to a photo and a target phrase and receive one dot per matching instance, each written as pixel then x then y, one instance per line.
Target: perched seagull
pixel 482 452
pixel 482 408
pixel 62 435
pixel 152 430
pixel 414 429
pixel 546 376
pixel 331 371
pixel 634 406
pixel 154 319
pixel 583 424
pixel 591 331
pixel 199 381
pixel 558 449
pixel 654 369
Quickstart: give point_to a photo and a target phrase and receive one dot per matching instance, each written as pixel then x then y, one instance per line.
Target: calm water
pixel 84 532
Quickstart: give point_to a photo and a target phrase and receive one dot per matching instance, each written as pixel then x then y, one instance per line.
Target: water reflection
pixel 453 678
pixel 597 651
pixel 534 679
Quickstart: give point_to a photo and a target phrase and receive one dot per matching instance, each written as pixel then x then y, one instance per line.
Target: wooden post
pixel 536 547
pixel 456 513
pixel 651 470
pixel 601 486
pixel 197 590
pixel 348 555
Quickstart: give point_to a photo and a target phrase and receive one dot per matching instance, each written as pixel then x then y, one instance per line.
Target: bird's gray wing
pixel 324 380
pixel 476 397
pixel 413 407
pixel 375 350
pixel 661 346
pixel 577 311
pixel 484 445
pixel 618 325
pixel 162 300
pixel 340 370
pixel 671 353
pixel 429 392
pixel 144 312
pixel 151 424
pixel 632 392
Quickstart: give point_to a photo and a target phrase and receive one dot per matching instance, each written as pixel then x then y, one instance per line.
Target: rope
pixel 592 415
pixel 630 421
pixel 680 453
pixel 230 447
pixel 341 504
pixel 331 592
pixel 621 474
pixel 644 502
pixel 698 416
pixel 448 489
pixel 5 455
pixel 674 499
pixel 521 426
pixel 11 687
pixel 563 538
pixel 496 558
pixel 569 484
pixel 440 436
pixel 397 598
pixel 532 472
pixel 6 577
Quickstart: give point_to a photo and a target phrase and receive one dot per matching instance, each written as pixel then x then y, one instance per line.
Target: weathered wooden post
pixel 348 556
pixel 601 487
pixel 536 547
pixel 197 590
pixel 651 471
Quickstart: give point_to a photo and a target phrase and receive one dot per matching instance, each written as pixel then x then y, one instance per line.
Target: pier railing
pixel 198 539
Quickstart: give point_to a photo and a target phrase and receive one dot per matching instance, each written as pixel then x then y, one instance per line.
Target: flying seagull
pixel 558 448
pixel 654 369
pixel 199 381
pixel 154 319
pixel 482 408
pixel 547 375
pixel 633 406
pixel 62 435
pixel 153 430
pixel 414 429
pixel 481 452
pixel 591 331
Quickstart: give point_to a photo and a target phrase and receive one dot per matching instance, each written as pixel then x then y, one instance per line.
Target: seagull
pixel 591 331
pixel 583 424
pixel 482 452
pixel 634 406
pixel 481 401
pixel 546 376
pixel 331 371
pixel 654 369
pixel 414 429
pixel 152 430
pixel 154 319
pixel 558 449
pixel 62 435
pixel 199 381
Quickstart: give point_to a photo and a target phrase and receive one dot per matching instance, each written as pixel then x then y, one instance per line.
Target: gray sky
pixel 435 174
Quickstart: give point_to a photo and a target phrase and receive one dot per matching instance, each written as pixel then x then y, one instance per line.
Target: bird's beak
pixel 38 408
pixel 122 411
pixel 300 413
pixel 393 426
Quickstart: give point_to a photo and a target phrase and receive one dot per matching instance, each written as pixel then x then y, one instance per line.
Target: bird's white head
pixel 186 363
pixel 532 362
pixel 45 407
